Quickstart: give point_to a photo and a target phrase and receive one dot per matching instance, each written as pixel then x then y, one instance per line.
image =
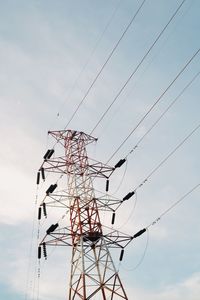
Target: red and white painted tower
pixel 93 274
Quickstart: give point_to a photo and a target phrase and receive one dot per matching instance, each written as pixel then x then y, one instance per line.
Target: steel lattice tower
pixel 93 274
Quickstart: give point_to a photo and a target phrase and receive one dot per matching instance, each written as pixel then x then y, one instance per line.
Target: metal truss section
pixel 80 163
pixel 93 274
pixel 62 199
pixel 94 168
pixel 64 237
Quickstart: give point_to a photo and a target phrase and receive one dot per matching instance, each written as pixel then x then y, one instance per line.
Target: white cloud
pixel 189 289
pixel 40 59
pixel 17 199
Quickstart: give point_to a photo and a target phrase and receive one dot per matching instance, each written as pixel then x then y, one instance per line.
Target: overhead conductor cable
pixel 163 113
pixel 139 64
pixel 140 232
pixel 91 54
pixel 105 63
pixel 154 104
pixel 173 205
pixel 165 159
pixel 121 161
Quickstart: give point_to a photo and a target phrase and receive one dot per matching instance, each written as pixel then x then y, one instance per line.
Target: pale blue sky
pixel 44 46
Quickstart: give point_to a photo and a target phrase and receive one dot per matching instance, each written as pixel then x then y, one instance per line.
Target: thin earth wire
pixel 31 247
pixel 163 113
pixel 154 104
pixel 91 55
pixel 167 157
pixel 173 206
pixel 38 282
pixel 105 63
pixel 137 67
pixel 35 272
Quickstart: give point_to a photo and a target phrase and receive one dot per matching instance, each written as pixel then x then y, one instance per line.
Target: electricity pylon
pixel 93 274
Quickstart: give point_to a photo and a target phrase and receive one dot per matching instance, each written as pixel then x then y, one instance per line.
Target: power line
pixel 173 205
pixel 91 54
pixel 155 103
pixel 30 256
pixel 139 64
pixel 156 221
pixel 164 160
pixel 164 112
pixel 173 151
pixel 154 124
pixel 105 63
pixel 148 65
pixel 134 192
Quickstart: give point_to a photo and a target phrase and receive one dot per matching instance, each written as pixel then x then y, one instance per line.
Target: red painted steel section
pixel 93 273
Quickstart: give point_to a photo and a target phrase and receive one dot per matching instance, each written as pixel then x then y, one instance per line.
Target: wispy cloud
pixel 188 289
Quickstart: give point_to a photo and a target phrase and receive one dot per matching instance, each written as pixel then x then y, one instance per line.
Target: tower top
pixel 62 136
